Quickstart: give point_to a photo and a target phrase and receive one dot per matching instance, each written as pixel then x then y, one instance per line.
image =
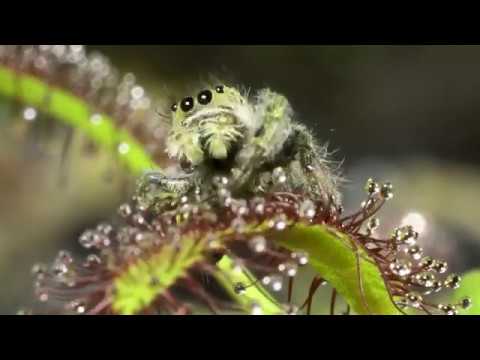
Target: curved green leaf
pixel 470 288
pixel 333 256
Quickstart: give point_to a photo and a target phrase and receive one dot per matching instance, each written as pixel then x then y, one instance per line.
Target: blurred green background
pixel 406 114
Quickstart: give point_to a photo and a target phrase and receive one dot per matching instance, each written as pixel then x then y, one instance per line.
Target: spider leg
pixel 276 123
pixel 154 187
pixel 316 170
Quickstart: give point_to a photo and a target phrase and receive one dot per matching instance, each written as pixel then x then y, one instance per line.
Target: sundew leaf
pixel 470 288
pixel 254 297
pixel 144 281
pixel 75 112
pixel 332 255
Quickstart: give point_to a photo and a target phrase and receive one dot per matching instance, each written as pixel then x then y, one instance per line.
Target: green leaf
pixel 140 285
pixel 470 287
pixel 76 112
pixel 254 295
pixel 333 256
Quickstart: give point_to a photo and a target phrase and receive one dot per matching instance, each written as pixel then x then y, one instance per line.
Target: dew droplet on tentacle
pixel 387 191
pixel 256 310
pixel 426 262
pixel 301 257
pixel 30 114
pixel 425 279
pixel 373 224
pixel 39 270
pixel 466 303
pixel 92 261
pixel 372 187
pixel 258 244
pixel 448 309
pixel 125 210
pixel 414 251
pixel 439 266
pixel 307 210
pixel 414 299
pixel 276 283
pixel 279 176
pixel 452 281
pixel 289 268
pixel 258 205
pixel 401 267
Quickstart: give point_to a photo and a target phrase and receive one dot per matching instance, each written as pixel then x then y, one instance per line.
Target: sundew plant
pixel 234 201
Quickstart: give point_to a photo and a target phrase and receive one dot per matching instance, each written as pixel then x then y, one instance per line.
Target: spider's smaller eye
pixel 205 97
pixel 187 104
pixel 219 89
pixel 174 107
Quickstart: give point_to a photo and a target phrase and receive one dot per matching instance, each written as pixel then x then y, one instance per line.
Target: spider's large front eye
pixel 205 97
pixel 187 104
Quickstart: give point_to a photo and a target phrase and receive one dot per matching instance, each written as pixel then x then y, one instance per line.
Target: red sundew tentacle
pixel 167 302
pixel 333 301
pixel 424 308
pixel 178 306
pixel 290 289
pixel 351 218
pixel 101 306
pixel 315 284
pixel 195 288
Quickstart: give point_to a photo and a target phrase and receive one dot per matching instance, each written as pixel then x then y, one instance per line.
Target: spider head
pixel 210 126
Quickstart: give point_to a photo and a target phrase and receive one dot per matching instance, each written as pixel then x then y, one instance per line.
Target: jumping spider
pixel 253 144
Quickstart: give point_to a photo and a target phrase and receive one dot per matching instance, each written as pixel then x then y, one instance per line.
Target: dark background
pixel 378 99
pixel 409 114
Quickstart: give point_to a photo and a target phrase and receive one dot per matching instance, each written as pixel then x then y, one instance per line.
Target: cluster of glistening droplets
pixel 409 275
pixel 91 77
pixel 244 230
